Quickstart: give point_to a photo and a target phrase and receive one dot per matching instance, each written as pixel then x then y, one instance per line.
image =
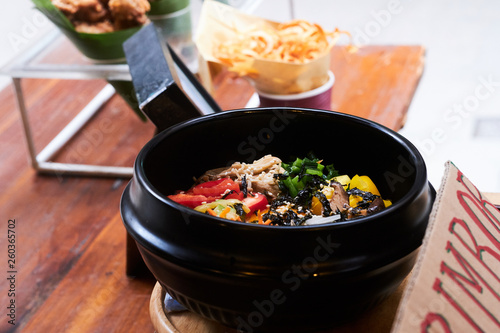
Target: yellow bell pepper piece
pixel 316 206
pixel 354 199
pixel 344 180
pixel 364 183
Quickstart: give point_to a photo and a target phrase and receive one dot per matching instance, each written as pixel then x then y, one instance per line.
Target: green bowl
pixel 103 47
pixel 162 7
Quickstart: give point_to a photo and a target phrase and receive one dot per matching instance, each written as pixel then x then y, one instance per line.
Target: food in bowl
pixel 101 16
pixel 302 192
pixel 307 277
pixel 296 41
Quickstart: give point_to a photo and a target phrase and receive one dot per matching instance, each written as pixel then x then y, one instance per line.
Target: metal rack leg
pixel 41 163
pixel 26 125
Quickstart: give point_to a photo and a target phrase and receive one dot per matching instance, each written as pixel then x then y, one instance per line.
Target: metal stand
pixel 26 67
pixel 41 161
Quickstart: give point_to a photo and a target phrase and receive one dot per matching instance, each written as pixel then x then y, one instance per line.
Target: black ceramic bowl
pixel 275 278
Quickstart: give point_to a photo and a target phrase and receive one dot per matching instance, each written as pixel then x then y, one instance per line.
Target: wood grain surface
pixel 70 241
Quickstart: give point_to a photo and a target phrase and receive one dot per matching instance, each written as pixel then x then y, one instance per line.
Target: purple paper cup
pixel 319 98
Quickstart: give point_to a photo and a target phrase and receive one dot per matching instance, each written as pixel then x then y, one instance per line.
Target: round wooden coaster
pixel 179 322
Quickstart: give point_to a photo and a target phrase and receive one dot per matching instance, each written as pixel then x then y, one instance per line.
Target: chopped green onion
pixel 314 172
pixel 301 171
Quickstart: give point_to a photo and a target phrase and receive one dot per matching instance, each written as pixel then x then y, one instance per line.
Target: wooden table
pixel 69 270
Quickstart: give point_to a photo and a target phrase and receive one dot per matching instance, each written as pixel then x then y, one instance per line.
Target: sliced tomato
pixel 190 200
pixel 216 187
pixel 255 202
pixel 211 183
pixel 234 195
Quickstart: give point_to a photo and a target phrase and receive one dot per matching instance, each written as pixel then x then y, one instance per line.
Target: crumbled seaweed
pixel 239 209
pixel 228 193
pixel 281 176
pixel 289 218
pixel 327 209
pixel 367 197
pixel 273 216
pixel 282 199
pixel 302 171
pixel 303 198
pixel 244 186
pixel 315 182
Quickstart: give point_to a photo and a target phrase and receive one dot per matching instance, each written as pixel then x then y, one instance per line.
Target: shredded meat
pixel 259 175
pixel 340 199
pixel 376 206
pixel 210 175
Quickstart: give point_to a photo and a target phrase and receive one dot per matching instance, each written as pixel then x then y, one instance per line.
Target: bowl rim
pixel 420 169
